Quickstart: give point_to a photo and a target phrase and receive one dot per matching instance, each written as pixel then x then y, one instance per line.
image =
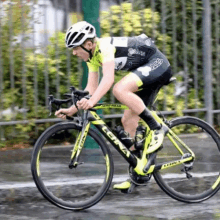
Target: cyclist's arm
pixel 106 82
pixel 107 60
pixel 93 82
pixel 61 113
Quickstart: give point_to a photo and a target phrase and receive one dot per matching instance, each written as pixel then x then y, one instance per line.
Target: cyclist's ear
pixel 88 44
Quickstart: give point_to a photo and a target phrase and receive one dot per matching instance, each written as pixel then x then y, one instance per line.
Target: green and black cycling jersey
pixel 147 65
pixel 128 53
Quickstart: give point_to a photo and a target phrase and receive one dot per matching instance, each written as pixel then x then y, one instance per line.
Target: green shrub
pixel 54 64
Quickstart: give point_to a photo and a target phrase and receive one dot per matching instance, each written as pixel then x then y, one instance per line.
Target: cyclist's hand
pixel 85 104
pixel 63 112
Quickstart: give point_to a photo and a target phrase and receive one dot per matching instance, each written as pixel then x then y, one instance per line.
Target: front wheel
pixel 77 188
pixel 204 172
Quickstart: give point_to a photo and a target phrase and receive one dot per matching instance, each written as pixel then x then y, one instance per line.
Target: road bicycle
pixel 72 164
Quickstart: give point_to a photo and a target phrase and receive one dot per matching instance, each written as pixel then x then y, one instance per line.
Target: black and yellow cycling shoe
pixel 157 139
pixel 125 187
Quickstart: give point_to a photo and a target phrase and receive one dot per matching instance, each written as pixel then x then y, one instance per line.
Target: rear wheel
pixel 204 141
pixel 77 188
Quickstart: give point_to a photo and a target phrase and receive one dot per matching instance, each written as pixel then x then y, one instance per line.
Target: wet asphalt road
pixel 20 199
pixel 117 206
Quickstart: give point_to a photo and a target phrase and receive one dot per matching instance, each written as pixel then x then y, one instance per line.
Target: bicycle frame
pixel 137 163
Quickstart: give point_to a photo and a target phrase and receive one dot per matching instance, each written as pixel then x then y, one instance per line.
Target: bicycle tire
pixel 65 187
pixel 205 181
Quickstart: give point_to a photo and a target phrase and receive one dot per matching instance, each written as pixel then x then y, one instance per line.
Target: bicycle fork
pixel 79 145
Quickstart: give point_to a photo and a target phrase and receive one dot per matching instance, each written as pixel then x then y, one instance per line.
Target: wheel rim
pixel 205 172
pixel 72 188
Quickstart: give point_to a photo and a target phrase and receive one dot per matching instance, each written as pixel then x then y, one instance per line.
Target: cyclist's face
pixel 81 53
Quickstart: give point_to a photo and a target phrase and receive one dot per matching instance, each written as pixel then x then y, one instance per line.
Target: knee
pixel 117 90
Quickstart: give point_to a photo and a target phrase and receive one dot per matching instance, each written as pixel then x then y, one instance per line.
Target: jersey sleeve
pixel 107 51
pixel 92 67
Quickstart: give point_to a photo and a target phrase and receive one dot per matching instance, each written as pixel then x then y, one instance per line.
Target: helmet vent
pixel 87 28
pixel 71 37
pixel 79 38
pixel 67 36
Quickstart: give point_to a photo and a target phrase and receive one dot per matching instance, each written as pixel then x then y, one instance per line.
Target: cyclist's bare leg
pixel 124 92
pixel 130 123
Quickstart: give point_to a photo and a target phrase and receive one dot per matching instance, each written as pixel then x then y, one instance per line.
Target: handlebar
pixel 73 97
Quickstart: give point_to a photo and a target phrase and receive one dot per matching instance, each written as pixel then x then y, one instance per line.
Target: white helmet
pixel 78 33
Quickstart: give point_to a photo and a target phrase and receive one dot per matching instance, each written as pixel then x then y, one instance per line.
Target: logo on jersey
pixel 132 51
pixel 156 63
pixel 98 51
pixel 145 70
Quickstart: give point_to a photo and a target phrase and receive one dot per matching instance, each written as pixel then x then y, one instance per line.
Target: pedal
pixel 130 189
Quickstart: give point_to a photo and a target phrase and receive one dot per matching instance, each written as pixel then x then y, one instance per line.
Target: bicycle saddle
pixel 172 79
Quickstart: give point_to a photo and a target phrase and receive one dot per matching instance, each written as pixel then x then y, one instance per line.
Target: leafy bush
pixel 122 20
pixel 119 20
pixel 54 65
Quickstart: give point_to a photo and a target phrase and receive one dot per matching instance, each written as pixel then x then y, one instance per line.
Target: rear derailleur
pixel 187 166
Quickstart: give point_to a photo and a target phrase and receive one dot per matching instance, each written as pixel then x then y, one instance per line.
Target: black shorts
pixel 149 93
pixel 151 77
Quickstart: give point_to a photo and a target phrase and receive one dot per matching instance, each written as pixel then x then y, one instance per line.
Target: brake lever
pixel 72 89
pixel 51 98
pixel 50 108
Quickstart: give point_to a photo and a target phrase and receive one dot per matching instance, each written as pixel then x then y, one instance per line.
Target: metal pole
pixel 153 19
pixel 1 75
pixel 34 18
pixel 207 59
pixel 67 5
pixel 82 67
pixel 11 50
pixel 163 23
pixel 35 46
pixel 23 60
pixel 46 55
pixel 174 44
pixel 217 67
pixel 185 47
pixel 12 80
pixel 195 57
pixel 132 16
pixel 57 52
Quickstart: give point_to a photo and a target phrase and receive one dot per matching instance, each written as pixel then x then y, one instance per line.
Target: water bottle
pixel 124 136
pixel 140 137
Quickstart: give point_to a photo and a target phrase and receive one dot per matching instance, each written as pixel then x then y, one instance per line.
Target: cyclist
pixel 149 71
